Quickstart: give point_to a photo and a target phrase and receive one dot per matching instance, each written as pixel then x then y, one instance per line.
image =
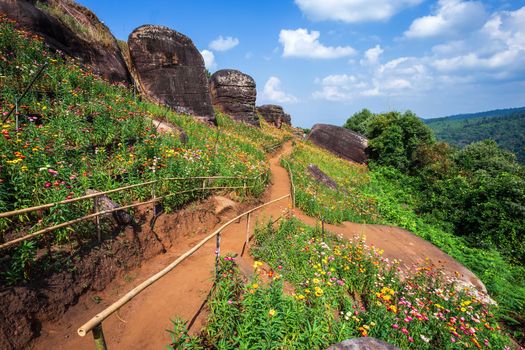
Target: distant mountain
pixel 494 113
pixel 505 126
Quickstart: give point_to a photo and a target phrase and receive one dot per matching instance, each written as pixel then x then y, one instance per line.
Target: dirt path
pixel 141 324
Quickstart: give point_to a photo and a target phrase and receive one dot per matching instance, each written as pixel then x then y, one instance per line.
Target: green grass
pixel 385 196
pixel 341 290
pixel 94 135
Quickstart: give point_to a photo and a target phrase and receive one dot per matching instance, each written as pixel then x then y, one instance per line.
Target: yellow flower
pixel 299 297
pixel 463 309
pixel 255 286
pixel 257 264
pixel 23 168
pixel 272 312
pixel 316 280
pixel 318 291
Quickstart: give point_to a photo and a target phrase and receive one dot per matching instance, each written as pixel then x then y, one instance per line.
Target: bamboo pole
pixel 97 219
pixel 100 317
pixel 88 196
pixel 98 336
pixel 71 222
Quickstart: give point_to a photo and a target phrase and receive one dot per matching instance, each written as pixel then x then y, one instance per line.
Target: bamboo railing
pixel 95 323
pixel 97 213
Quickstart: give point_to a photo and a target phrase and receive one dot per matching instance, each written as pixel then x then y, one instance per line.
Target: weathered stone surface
pixel 321 177
pixel 90 41
pixel 170 70
pixel 365 343
pixel 234 93
pixel 343 142
pixel 121 217
pixel 274 114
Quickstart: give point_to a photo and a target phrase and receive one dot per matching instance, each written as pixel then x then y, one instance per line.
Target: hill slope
pixel 506 127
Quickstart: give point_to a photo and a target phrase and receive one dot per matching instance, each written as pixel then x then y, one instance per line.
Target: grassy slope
pixel 342 290
pixel 508 131
pixel 384 196
pixel 89 134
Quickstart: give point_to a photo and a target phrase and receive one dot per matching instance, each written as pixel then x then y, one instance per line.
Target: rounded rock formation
pixel 343 142
pixel 234 93
pixel 74 30
pixel 170 70
pixel 274 114
pixel 364 343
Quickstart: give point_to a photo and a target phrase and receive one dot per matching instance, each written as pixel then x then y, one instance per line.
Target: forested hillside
pixel 506 127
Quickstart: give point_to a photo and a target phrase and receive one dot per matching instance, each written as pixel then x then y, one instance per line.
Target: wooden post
pixel 217 253
pixel 248 229
pixel 98 336
pixel 97 219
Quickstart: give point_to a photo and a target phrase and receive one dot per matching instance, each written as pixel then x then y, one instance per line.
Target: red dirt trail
pixel 142 323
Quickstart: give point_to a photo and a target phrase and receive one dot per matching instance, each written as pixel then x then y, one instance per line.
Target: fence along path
pixel 178 293
pixel 96 214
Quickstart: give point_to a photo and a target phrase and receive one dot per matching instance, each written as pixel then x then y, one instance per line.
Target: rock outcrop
pixel 74 30
pixel 274 114
pixel 234 93
pixel 170 70
pixel 364 343
pixel 343 142
pixel 321 177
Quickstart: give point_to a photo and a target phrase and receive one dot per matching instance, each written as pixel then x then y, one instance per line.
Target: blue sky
pixel 324 60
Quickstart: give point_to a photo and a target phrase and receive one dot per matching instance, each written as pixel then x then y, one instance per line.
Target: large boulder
pixel 364 343
pixel 234 93
pixel 72 29
pixel 170 70
pixel 274 114
pixel 343 142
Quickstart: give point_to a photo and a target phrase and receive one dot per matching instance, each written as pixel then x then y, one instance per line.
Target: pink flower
pixel 280 267
pixel 452 339
pixel 408 319
pixel 52 172
pixel 410 339
pixel 47 184
pixel 395 326
pixel 405 331
pixel 340 282
pixel 230 302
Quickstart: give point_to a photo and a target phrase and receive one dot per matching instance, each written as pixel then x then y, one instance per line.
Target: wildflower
pixel 395 326
pixel 255 286
pixel 272 312
pixel 47 184
pixel 299 297
pixel 404 331
pixel 52 172
pixel 452 339
pixel 410 339
pixel 425 339
pixel 230 302
pixel 23 168
pixel 257 264
pixel 318 292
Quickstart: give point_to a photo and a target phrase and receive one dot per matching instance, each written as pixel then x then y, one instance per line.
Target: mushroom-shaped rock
pixel 364 343
pixel 170 70
pixel 274 114
pixel 341 141
pixel 234 93
pixel 88 40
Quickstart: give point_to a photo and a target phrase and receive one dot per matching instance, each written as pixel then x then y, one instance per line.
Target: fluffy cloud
pixel 209 59
pixel 352 11
pixel 224 44
pixel 404 75
pixel 372 55
pixel 304 44
pixel 272 91
pixel 497 51
pixel 451 17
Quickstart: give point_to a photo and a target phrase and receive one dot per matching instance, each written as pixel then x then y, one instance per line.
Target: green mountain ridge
pixel 505 126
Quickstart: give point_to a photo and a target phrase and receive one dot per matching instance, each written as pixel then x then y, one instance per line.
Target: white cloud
pixel 352 11
pixel 272 91
pixel 401 76
pixel 224 44
pixel 451 17
pixel 209 59
pixel 372 55
pixel 497 50
pixel 301 43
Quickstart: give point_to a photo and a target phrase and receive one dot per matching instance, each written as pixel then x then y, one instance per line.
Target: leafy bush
pixel 341 290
